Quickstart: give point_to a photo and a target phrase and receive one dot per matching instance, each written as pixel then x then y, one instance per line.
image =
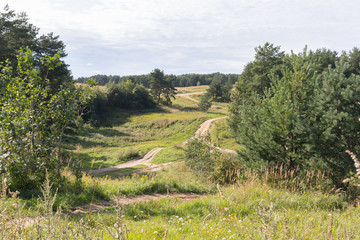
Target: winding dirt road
pixel 202 130
pixel 145 160
pixel 188 96
pixel 184 197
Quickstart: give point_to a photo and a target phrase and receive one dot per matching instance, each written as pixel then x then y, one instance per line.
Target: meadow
pixel 120 204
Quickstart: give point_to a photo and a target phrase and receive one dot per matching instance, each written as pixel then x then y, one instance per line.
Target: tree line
pixel 184 80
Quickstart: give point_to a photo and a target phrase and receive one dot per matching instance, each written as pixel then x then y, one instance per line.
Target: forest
pixel 269 153
pixel 184 80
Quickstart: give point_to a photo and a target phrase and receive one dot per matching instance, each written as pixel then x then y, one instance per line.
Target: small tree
pixel 156 83
pixel 201 155
pixel 168 90
pixel 162 87
pixel 205 103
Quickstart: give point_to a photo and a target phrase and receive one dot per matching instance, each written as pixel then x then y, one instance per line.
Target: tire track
pixel 145 160
pixel 202 130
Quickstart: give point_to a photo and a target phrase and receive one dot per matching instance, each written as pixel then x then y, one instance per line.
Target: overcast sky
pixel 123 37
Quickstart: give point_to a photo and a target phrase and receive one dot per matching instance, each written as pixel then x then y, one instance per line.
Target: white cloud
pixel 124 36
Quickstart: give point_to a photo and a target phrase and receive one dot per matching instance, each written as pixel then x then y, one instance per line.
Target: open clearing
pixel 203 129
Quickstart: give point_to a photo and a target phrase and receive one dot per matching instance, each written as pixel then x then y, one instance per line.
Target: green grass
pixel 136 133
pixel 172 153
pixel 221 136
pixel 249 211
pixel 252 210
pixel 135 138
pixel 121 172
pixel 106 186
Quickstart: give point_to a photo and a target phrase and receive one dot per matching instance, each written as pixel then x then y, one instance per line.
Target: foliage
pixel 184 80
pixel 255 77
pixel 305 118
pixel 161 87
pixel 124 95
pixel 217 92
pixel 16 32
pixel 33 120
pixel 353 58
pixel 208 161
pixel 200 157
pixel 205 103
pixel 128 95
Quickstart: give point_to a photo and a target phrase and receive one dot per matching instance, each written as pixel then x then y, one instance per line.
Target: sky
pixel 128 37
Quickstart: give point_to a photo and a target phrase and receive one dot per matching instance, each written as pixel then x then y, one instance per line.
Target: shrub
pixel 207 160
pixel 205 103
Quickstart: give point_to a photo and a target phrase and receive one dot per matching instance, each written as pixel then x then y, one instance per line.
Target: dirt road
pixel 202 130
pixel 145 160
pixel 184 197
pixel 187 95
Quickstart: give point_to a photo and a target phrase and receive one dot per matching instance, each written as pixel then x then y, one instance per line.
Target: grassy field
pixel 201 88
pixel 134 134
pixel 251 208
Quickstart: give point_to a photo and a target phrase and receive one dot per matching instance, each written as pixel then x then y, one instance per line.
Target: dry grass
pixel 192 89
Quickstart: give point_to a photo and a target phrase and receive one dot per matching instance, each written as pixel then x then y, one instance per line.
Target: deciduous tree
pixel 33 119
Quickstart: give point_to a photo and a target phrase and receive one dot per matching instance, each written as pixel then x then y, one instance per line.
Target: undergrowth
pixel 248 210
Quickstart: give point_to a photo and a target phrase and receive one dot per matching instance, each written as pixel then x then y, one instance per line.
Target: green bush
pixel 200 155
pixel 205 103
pixel 207 160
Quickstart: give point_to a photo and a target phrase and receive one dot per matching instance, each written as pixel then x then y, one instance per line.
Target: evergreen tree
pixel 156 83
pixel 205 103
pixel 162 87
pixel 17 33
pixel 305 118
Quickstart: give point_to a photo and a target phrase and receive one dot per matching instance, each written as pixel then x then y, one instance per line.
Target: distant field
pixel 102 88
pixel 192 89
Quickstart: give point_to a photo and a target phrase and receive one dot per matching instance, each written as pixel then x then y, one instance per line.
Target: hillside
pixel 138 187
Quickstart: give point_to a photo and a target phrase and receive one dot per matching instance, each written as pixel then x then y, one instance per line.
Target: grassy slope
pixel 252 210
pixel 249 211
pixel 166 127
